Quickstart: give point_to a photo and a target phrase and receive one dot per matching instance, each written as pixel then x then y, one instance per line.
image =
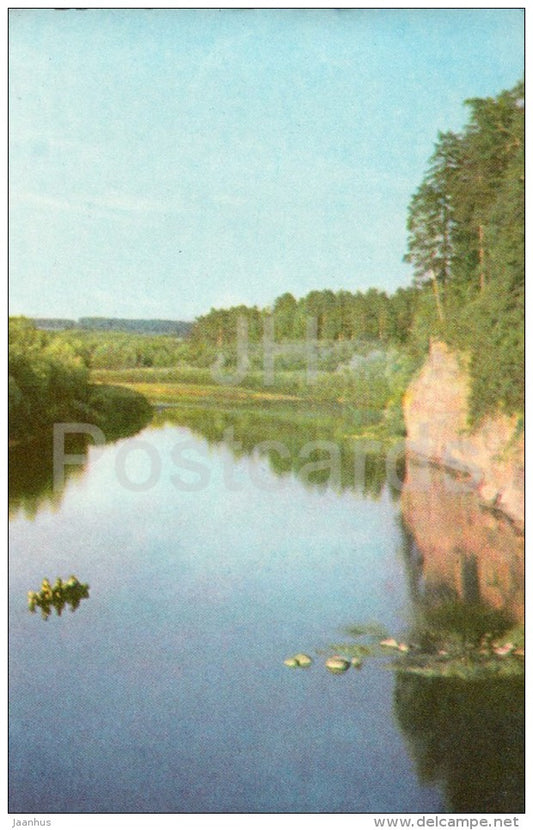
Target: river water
pixel 208 565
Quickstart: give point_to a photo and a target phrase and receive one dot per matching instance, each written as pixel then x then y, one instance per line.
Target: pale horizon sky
pixel 166 161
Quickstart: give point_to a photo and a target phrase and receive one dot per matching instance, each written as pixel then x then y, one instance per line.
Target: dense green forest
pixel 465 241
pixel 466 228
pixel 120 350
pixel 345 323
pixel 372 316
pixel 49 382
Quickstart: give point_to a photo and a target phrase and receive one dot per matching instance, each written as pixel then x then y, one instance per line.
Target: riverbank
pixel 365 398
pixel 116 410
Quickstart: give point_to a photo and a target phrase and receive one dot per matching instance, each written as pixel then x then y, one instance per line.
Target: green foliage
pixel 121 350
pixel 118 411
pixel 49 382
pixel 322 315
pixel 57 596
pixel 466 243
pixel 370 386
pixel 491 327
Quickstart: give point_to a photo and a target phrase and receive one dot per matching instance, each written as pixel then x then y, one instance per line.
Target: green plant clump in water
pixel 57 596
pixel 457 642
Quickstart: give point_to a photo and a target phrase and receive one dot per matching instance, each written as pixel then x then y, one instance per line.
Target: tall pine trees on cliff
pixel 466 242
pixel 468 205
pixel 431 221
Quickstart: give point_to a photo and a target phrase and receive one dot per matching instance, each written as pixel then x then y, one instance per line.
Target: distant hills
pixel 176 328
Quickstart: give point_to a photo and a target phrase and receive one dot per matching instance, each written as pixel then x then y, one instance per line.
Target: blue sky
pixel 163 162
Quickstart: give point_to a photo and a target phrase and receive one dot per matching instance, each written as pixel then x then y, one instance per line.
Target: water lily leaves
pixel 336 664
pixel 445 656
pixel 389 642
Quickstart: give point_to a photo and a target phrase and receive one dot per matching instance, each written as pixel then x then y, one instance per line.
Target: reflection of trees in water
pixel 467 733
pixel 31 464
pixel 285 439
pixel 349 464
pixel 31 474
pixel 468 737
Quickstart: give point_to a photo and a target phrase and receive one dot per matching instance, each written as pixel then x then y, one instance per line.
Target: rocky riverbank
pixel 490 457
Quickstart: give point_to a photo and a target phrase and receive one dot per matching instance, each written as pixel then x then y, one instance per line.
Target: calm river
pixel 208 565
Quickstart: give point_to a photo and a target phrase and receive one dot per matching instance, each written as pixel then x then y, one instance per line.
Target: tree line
pixel 342 315
pixel 465 241
pixel 176 328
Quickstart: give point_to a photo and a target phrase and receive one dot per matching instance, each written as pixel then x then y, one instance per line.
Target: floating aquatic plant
pixel 443 651
pixel 57 596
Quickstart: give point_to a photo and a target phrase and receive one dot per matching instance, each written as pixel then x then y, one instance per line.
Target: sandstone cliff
pixel 436 415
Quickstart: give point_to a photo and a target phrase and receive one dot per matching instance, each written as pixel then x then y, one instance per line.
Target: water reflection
pixel 459 689
pixel 456 548
pixel 465 569
pixel 468 738
pixel 464 735
pixel 31 464
pixel 313 444
pixel 58 596
pixel 31 474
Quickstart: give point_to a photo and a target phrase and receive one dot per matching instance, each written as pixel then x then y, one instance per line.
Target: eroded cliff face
pixel 491 457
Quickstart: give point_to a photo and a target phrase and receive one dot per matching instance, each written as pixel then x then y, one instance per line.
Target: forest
pixel 49 382
pixel 465 242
